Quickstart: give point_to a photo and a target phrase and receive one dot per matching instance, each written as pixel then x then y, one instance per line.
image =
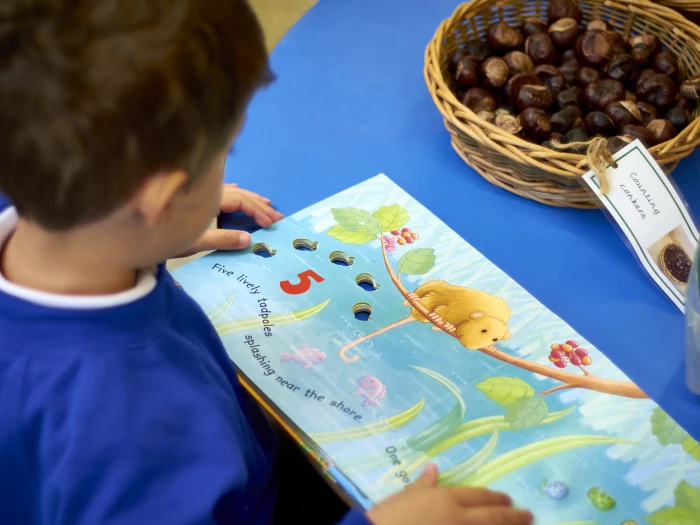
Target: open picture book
pixel 383 341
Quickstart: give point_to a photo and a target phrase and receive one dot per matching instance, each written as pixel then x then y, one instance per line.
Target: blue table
pixel 350 102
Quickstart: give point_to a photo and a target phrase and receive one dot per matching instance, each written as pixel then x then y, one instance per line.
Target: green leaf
pixel 354 219
pixel 688 496
pixel 526 412
pixel 692 447
pixel 525 455
pixel 392 217
pixel 370 429
pixel 350 237
pixel 505 390
pixel 666 430
pixel 458 473
pixel 279 319
pixel 438 431
pixel 484 426
pixel 417 262
pixel 674 516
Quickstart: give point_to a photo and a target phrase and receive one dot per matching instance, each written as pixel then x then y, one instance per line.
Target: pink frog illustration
pixel 371 389
pixel 307 356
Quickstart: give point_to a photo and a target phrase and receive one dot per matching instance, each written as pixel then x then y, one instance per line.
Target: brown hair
pixel 95 96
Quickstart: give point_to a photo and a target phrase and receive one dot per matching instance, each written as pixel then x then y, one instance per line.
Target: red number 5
pixel 304 283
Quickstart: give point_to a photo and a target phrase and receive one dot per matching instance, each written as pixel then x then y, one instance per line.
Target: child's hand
pixel 235 199
pixel 424 503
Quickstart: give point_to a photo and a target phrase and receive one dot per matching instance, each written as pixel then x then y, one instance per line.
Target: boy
pixel 119 404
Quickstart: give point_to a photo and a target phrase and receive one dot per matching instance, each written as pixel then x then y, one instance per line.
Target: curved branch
pixel 588 381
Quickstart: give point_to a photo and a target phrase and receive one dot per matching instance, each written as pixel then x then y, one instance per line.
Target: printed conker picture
pixel 672 253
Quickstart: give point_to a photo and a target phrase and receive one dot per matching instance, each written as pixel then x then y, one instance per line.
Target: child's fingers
pixel 230 191
pixel 263 214
pixel 478 497
pixel 428 479
pixel 497 516
pixel 214 239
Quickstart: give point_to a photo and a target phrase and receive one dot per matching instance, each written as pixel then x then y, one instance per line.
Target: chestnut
pixel 652 43
pixel 616 143
pixel 684 102
pixel 658 90
pixel 623 113
pixel 532 25
pixel 531 96
pixel 564 120
pixel 467 74
pixel 598 123
pixel 570 69
pixel 558 9
pixel 690 89
pixel 506 109
pixel 594 47
pixel 648 111
pixel 577 135
pixel 540 49
pixel 536 124
pixel 478 99
pixel 508 123
pixel 551 78
pixel 666 64
pixel 569 54
pixel 662 130
pixel 630 96
pixel 677 116
pixel 599 24
pixel 495 72
pixel 586 75
pixel 570 97
pixel 641 55
pixel 600 93
pixel 559 137
pixel 502 37
pixel 564 32
pixel 646 73
pixel 478 49
pixel 518 62
pixel 639 132
pixel 618 42
pixel 488 116
pixel 516 82
pixel 455 58
pixel 624 68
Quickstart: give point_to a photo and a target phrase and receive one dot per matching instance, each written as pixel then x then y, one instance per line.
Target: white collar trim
pixel 146 282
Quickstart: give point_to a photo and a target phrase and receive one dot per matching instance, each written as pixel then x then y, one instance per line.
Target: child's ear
pixel 157 193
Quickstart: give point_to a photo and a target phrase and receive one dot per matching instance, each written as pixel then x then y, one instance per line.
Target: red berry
pixel 560 364
pixel 406 230
pixel 586 361
pixel 414 235
pixel 553 359
pixel 401 240
pixel 575 361
pixel 556 346
pixel 572 344
pixel 395 232
pixel 581 352
pixel 567 348
pixel 410 240
pixel 556 353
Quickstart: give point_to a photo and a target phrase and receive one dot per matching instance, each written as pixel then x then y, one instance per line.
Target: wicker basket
pixel 528 169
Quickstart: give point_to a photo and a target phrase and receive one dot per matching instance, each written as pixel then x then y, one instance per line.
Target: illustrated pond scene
pixel 390 343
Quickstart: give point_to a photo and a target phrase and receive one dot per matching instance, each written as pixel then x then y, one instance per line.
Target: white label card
pixel 651 216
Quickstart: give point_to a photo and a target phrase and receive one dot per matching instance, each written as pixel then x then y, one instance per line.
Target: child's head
pixel 120 112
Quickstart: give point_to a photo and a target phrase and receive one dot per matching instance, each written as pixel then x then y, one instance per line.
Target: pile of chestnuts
pixel 557 79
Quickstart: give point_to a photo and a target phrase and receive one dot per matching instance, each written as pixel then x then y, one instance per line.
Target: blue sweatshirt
pixel 127 414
